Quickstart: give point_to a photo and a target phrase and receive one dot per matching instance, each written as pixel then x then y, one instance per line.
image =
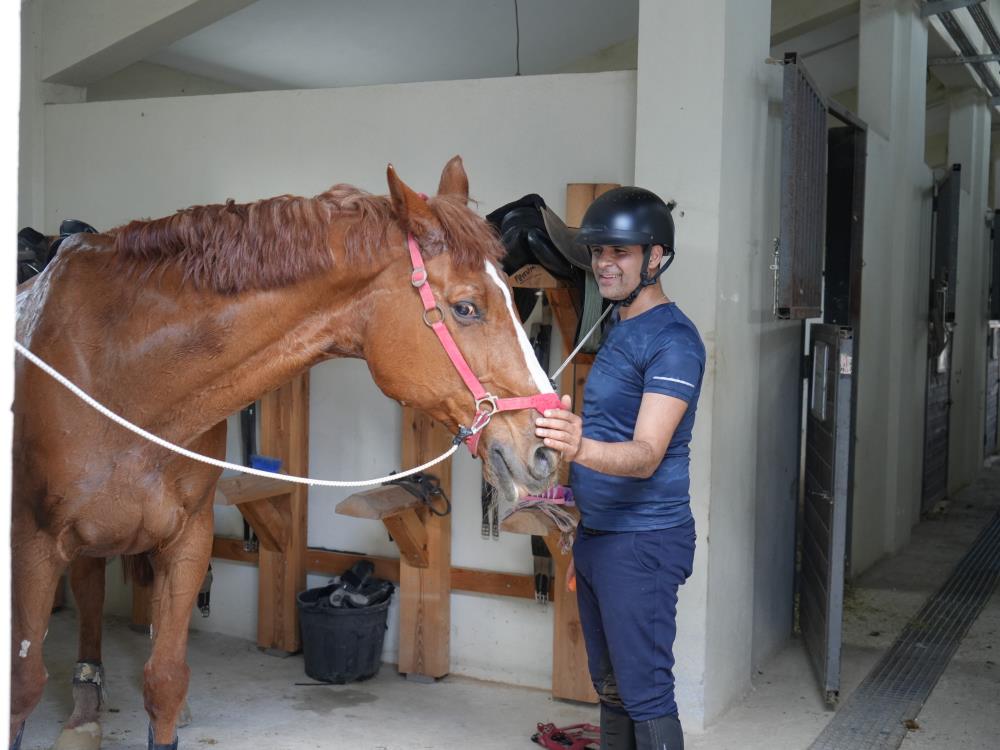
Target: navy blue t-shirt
pixel 658 351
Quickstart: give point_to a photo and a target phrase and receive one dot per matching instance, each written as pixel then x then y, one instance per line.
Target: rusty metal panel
pixel 799 262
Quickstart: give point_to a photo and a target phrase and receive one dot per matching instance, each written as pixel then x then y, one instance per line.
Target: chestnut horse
pixel 178 322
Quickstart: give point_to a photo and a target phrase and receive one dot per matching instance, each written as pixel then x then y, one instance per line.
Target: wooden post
pixel 142 607
pixel 284 434
pixel 425 593
pixel 570 673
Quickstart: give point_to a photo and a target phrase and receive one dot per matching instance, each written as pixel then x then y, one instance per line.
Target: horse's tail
pixel 137 568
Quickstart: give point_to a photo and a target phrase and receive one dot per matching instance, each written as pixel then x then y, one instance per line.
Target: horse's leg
pixel 83 728
pixel 178 570
pixel 35 566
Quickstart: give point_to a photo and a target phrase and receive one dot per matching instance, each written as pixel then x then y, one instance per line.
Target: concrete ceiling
pixel 279 44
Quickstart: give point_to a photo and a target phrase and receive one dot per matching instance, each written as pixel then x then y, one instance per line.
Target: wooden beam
pixel 407 530
pixel 142 607
pixel 269 520
pixel 330 563
pixel 377 503
pixel 231 549
pixel 425 593
pixel 247 488
pixel 570 673
pixel 284 434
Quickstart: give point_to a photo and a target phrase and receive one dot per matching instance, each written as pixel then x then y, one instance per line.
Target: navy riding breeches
pixel 627 591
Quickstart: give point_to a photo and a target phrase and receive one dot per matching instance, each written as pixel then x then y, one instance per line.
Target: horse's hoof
pixel 84 737
pixel 154 746
pixel 185 718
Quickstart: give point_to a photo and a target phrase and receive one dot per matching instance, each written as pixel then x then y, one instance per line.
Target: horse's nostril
pixel 543 462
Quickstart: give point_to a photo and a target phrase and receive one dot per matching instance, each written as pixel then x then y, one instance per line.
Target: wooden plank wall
pixel 425 593
pixel 284 434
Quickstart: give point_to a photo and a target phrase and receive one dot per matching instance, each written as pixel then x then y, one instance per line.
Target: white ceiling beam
pixel 86 41
pixel 792 18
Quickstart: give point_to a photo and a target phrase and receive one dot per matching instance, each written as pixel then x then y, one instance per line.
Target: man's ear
pixel 655 257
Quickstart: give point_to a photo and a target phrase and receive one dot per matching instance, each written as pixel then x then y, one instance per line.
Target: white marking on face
pixel 23 653
pixel 537 373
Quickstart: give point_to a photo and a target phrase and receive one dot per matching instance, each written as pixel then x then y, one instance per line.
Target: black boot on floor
pixel 663 733
pixel 616 730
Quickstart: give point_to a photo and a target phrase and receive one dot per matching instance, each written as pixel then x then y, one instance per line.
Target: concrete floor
pixel 242 698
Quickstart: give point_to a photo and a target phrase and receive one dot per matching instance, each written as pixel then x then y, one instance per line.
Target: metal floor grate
pixel 897 686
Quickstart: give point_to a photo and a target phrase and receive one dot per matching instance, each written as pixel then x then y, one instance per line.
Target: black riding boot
pixel 663 733
pixel 616 730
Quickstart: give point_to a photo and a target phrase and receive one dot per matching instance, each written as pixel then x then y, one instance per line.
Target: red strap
pixel 419 279
pixel 539 402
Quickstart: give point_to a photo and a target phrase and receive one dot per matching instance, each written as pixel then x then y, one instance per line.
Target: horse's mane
pixel 234 247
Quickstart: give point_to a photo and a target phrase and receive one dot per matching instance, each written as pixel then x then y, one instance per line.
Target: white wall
pixel 892 341
pixel 129 159
pixel 969 145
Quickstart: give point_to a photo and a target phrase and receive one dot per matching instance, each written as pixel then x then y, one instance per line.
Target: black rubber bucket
pixel 341 644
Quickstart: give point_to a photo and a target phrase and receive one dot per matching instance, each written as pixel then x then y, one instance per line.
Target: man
pixel 635 544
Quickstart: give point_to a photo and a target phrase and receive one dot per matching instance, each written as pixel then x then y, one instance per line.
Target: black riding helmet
pixel 631 216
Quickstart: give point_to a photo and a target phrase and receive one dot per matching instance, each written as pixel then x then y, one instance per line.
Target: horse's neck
pixel 262 340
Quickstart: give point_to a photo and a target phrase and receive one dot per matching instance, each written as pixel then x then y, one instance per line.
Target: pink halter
pixel 486 403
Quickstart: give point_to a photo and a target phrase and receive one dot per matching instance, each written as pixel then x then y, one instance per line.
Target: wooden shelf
pixel 247 488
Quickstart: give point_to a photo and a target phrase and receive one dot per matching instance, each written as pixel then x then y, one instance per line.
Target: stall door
pixel 827 497
pixel 937 406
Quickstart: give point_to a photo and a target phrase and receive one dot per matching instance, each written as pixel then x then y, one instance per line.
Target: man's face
pixel 617 268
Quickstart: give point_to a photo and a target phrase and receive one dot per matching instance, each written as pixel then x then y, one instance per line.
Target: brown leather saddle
pixel 532 233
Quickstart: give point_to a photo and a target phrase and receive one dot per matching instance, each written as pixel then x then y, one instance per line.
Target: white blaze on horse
pixel 178 322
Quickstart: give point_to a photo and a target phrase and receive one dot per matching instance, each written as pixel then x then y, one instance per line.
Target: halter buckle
pixel 418 277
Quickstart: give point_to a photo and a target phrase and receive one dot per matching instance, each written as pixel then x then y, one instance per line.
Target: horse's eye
pixel 465 311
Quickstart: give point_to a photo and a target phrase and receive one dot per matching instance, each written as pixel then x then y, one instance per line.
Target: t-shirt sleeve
pixel 675 369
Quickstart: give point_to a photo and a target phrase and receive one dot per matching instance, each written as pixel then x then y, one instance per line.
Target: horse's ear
pixel 410 207
pixel 454 181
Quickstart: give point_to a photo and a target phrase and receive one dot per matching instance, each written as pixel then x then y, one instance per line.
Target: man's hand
pixel 561 430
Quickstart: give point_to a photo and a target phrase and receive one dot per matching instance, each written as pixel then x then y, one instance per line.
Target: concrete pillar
pixel 969 145
pixel 893 329
pixel 701 120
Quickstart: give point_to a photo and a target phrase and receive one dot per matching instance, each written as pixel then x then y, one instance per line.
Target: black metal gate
pixel 827 499
pixel 798 263
pixel 937 406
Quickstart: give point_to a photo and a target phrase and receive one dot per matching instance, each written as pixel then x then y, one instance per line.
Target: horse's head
pixel 473 300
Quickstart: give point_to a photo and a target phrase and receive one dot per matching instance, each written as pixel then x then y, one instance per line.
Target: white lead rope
pixel 580 345
pixel 79 393
pixel 90 401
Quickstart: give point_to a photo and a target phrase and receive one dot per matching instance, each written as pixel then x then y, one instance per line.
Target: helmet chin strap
pixel 645 279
